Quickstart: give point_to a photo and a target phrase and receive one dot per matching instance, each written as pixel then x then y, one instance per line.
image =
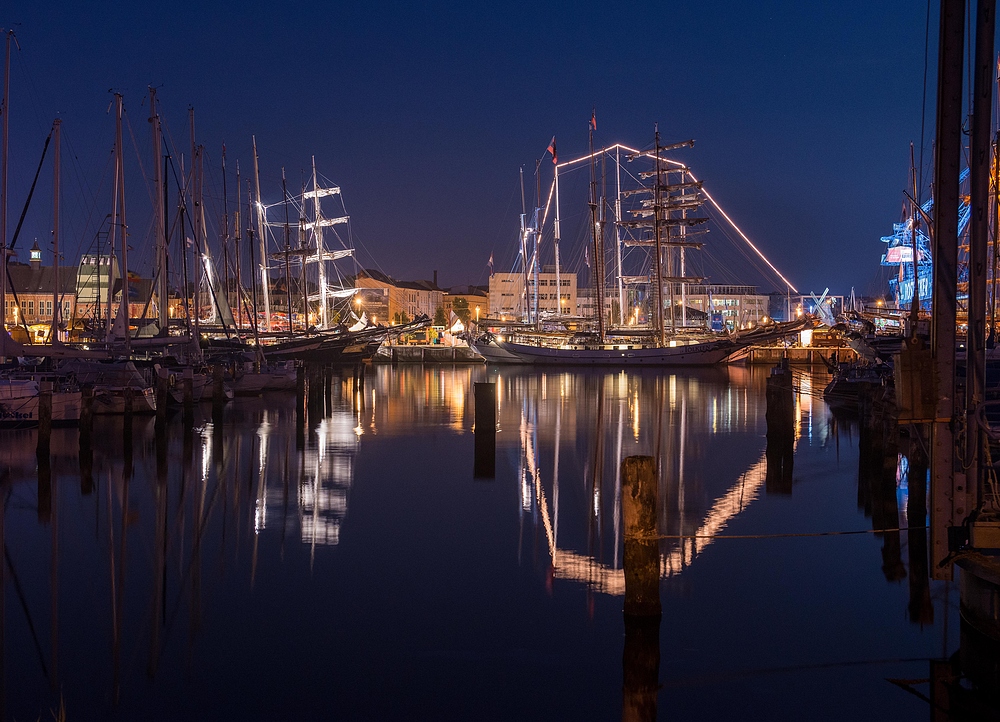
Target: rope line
pixel 777 536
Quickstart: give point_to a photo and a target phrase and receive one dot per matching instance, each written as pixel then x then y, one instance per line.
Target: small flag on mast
pixel 593 119
pixel 552 149
pixel 491 264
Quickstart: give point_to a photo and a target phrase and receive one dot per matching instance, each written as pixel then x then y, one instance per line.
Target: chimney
pixel 435 279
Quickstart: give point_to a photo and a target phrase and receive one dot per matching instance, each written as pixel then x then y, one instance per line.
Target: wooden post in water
pixel 162 389
pixel 485 464
pixel 129 400
pixel 44 418
pixel 642 557
pixel 218 393
pixel 642 612
pixel 780 417
pixel 300 402
pixel 187 387
pixel 86 415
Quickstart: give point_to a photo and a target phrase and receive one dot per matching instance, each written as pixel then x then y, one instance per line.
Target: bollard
pixel 129 402
pixel 44 419
pixel 86 416
pixel 642 556
pixel 485 460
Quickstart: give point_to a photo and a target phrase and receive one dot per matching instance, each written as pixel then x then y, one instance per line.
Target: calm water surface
pixel 356 570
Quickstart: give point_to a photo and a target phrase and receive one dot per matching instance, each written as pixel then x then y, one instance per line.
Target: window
pixel 48 308
pixel 31 308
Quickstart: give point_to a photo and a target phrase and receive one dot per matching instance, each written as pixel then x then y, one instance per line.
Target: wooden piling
pixel 780 416
pixel 642 556
pixel 187 388
pixel 129 395
pixel 86 416
pixel 218 388
pixel 485 463
pixel 44 418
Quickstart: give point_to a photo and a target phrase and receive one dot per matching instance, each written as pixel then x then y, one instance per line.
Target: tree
pixel 461 308
pixel 439 318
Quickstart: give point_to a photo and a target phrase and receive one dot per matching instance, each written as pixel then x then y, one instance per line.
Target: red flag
pixel 552 149
pixel 593 119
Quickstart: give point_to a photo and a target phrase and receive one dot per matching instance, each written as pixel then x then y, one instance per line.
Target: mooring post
pixel 187 388
pixel 218 389
pixel 642 612
pixel 485 464
pixel 780 416
pixel 300 402
pixel 44 418
pixel 129 400
pixel 86 415
pixel 642 557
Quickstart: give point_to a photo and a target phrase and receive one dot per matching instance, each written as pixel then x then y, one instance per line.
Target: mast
pixel 262 233
pixel 197 222
pixel 225 229
pixel 253 276
pixel 159 212
pixel 181 208
pixel 556 245
pixel 534 233
pixel 118 231
pixel 288 252
pixel 320 248
pixel 524 250
pixel 658 271
pixel 5 112
pixel 597 268
pixel 618 235
pixel 681 250
pixel 303 286
pixel 236 250
pixel 56 305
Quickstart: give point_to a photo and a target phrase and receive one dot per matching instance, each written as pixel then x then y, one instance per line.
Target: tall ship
pixel 651 306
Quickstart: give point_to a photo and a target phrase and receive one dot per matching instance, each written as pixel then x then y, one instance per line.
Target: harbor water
pixel 341 560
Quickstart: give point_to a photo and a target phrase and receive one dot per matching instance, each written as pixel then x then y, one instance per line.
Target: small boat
pixel 115 383
pixel 20 401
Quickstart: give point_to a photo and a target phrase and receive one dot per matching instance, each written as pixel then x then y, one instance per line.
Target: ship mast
pixel 159 211
pixel 597 269
pixel 320 248
pixel 5 112
pixel 262 232
pixel 56 303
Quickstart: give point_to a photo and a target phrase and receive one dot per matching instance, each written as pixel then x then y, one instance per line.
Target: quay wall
pixel 800 356
pixel 431 353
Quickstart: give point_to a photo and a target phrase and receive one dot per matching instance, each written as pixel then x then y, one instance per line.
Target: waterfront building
pixel 387 300
pixel 507 298
pixel 31 304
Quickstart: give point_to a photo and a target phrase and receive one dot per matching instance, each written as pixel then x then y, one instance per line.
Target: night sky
pixel 423 113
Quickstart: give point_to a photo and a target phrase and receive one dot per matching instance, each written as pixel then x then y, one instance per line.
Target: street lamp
pixel 477 315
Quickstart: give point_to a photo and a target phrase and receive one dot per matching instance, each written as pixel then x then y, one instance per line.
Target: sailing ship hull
pixel 493 354
pixel 710 353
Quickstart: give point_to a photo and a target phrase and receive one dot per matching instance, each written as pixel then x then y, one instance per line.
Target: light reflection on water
pixel 186 554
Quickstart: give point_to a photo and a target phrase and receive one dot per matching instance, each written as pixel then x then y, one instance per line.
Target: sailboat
pixel 664 223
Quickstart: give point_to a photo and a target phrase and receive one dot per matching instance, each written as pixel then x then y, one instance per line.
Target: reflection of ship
pixel 680 419
pixel 327 475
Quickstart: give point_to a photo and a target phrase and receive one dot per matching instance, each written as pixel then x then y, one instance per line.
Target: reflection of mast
pixel 260 507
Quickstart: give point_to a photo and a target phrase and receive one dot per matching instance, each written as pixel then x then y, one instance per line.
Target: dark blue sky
pixel 424 112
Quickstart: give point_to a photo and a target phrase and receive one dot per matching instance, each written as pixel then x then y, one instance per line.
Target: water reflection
pixel 574 429
pixel 277 529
